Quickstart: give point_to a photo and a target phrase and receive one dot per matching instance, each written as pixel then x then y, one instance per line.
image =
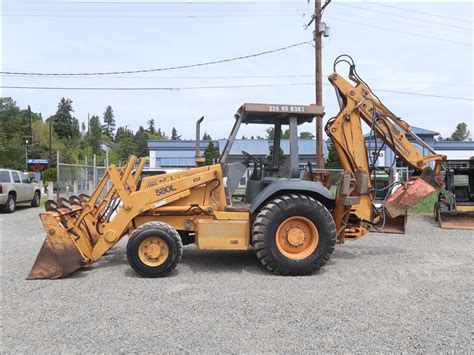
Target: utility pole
pixel 318 33
pixel 50 157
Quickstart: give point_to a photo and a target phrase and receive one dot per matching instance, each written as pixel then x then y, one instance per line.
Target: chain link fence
pixel 74 179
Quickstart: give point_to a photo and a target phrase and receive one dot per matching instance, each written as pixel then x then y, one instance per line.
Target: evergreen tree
pixel 109 122
pixel 461 133
pixel 151 126
pixel 141 141
pixel 126 145
pixel 63 122
pixel 206 137
pixel 95 135
pixel 174 135
pixel 211 154
pixel 332 161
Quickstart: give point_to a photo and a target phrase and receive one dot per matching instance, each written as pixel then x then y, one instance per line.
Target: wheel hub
pixel 295 236
pixel 153 251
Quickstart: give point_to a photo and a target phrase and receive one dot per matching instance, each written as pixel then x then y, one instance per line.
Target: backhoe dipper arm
pixel 361 102
pixel 357 103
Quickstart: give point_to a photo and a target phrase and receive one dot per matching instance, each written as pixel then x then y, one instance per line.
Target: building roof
pixel 177 145
pixel 421 132
pixel 251 146
pixel 454 145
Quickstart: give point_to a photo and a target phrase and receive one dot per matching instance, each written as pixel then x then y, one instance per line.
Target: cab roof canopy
pixel 278 113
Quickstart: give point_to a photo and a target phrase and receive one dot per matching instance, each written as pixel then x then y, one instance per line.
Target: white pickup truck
pixel 16 187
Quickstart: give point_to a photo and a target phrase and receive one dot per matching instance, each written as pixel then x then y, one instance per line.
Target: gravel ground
pixel 383 293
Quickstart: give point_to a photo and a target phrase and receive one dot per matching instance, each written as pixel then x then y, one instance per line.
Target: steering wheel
pixel 249 157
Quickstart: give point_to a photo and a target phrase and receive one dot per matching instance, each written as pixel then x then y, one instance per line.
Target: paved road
pixel 379 294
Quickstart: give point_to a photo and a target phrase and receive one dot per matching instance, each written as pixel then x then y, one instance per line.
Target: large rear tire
pixel 294 235
pixel 154 249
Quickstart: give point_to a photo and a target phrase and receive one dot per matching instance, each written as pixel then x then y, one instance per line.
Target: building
pixel 458 152
pixel 180 154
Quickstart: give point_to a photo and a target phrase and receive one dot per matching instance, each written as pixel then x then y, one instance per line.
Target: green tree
pixel 332 161
pixel 270 133
pixel 206 137
pixel 95 135
pixel 174 135
pixel 211 154
pixel 141 141
pixel 281 156
pixel 306 135
pixel 108 127
pixel 126 145
pixel 151 126
pixel 461 133
pixel 64 123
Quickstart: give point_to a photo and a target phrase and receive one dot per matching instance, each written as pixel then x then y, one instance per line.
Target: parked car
pixel 16 187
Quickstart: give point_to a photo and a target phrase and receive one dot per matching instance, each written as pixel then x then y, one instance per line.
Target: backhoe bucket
pixel 456 219
pixel 59 255
pixel 395 225
pixel 414 190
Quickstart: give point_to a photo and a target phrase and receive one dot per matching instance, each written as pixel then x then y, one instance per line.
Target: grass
pixel 425 206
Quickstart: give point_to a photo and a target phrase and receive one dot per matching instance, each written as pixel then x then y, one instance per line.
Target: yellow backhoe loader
pixel 292 223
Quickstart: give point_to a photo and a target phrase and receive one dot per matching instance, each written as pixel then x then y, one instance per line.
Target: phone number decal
pixel 285 108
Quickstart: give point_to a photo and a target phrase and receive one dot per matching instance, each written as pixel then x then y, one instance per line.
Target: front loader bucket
pixel 59 255
pixel 413 191
pixel 456 220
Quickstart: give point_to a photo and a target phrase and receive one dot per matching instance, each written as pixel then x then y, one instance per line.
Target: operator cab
pixel 264 174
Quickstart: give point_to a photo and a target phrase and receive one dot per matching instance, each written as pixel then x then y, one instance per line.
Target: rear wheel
pixel 36 199
pixel 294 235
pixel 10 205
pixel 154 249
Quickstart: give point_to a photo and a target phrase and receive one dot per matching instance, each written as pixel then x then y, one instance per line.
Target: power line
pixel 157 16
pixel 398 81
pixel 403 32
pixel 403 16
pixel 405 23
pixel 213 87
pixel 162 69
pixel 421 12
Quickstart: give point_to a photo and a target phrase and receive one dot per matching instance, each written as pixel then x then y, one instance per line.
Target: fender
pixel 285 186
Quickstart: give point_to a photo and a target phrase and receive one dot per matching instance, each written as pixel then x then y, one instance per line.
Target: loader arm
pixel 79 235
pixel 354 213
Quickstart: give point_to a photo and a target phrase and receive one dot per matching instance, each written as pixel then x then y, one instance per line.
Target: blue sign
pixel 38 161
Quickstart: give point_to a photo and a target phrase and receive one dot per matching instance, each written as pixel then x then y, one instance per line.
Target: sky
pixel 412 47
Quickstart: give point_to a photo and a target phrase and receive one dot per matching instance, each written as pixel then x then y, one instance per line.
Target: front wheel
pixel 294 235
pixel 154 249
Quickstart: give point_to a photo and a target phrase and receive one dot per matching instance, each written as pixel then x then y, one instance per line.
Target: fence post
pixel 86 179
pixel 94 175
pixel 75 190
pixel 50 190
pixel 91 187
pixel 57 174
